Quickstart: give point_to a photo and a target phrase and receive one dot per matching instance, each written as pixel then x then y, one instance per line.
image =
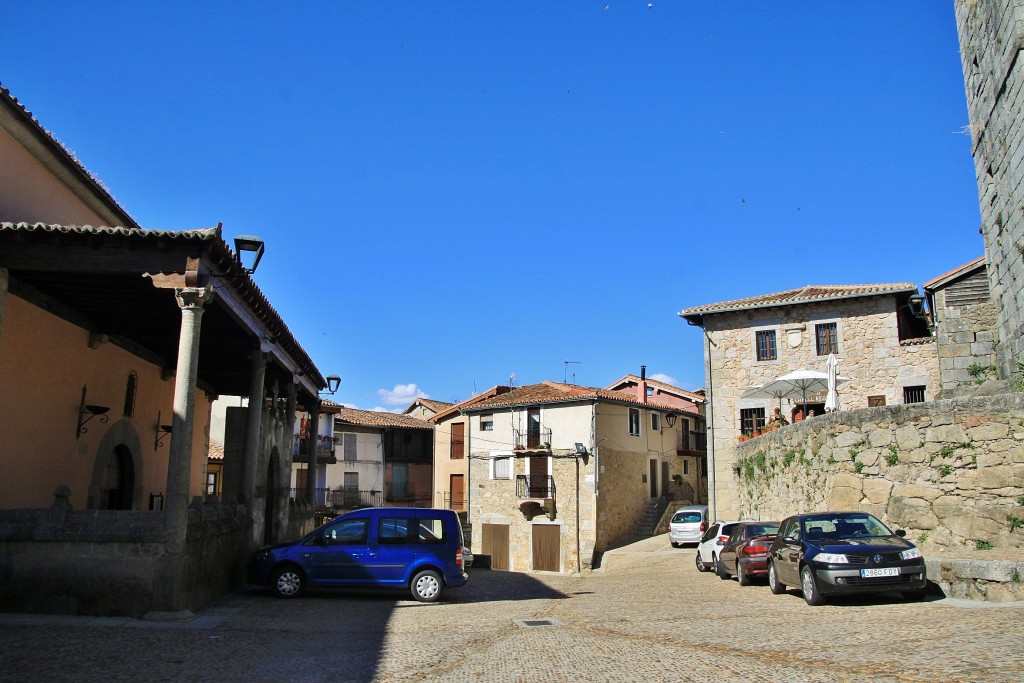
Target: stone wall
pixel 950 472
pixel 113 563
pixel 966 334
pixel 991 41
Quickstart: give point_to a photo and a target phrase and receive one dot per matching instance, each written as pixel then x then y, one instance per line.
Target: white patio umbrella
pixel 793 385
pixel 831 368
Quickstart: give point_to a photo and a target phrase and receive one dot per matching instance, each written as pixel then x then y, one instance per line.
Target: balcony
pixel 324 450
pixel 692 443
pixel 535 495
pixel 536 437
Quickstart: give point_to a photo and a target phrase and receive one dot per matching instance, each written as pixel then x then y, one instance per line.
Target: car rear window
pixel 425 530
pixel 688 517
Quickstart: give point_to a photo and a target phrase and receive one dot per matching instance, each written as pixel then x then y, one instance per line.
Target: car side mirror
pixel 790 539
pixel 901 533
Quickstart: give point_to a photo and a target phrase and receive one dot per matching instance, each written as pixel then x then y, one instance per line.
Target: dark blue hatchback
pixel 416 548
pixel 829 553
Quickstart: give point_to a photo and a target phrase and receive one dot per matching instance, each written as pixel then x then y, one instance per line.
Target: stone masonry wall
pixel 991 42
pixel 870 353
pixel 966 337
pixel 950 472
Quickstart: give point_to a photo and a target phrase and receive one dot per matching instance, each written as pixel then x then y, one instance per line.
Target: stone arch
pixel 121 442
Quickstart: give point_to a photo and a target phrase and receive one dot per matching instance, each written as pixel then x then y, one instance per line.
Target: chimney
pixel 642 388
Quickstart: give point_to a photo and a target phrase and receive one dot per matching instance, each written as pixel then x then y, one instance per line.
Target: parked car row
pixel 822 553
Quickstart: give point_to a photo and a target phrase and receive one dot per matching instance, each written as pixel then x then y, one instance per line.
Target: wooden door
pixel 494 544
pixel 533 428
pixel 538 476
pixel 546 547
pixel 664 479
pixel 458 492
pixel 458 440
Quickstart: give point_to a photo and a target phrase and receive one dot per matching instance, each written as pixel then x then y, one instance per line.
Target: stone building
pixel 879 334
pixel 559 472
pixel 991 42
pixel 964 316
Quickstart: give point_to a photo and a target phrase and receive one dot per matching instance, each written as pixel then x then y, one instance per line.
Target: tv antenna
pixel 565 375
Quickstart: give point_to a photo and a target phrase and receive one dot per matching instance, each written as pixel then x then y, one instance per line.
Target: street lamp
pixel 253 247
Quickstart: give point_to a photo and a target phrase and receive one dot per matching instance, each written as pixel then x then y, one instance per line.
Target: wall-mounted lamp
pixel 333 382
pixel 91 411
pixel 252 247
pixel 916 305
pixel 161 432
pixel 670 419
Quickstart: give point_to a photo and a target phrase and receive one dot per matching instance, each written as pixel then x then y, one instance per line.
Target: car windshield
pixel 686 517
pixel 843 526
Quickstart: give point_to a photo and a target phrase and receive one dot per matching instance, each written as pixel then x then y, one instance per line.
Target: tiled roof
pixel 483 395
pixel 803 295
pixel 934 283
pixel 436 406
pixel 216 451
pixel 68 159
pixel 374 418
pixel 221 255
pixel 635 379
pixel 557 392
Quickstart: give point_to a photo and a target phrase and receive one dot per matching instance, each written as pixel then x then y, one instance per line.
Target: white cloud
pixel 665 379
pixel 401 395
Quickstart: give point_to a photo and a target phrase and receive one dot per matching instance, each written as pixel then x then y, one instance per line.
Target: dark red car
pixel 745 554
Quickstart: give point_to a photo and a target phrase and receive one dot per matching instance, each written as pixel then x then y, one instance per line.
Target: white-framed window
pixel 655 422
pixel 501 466
pixel 634 422
pixel 487 422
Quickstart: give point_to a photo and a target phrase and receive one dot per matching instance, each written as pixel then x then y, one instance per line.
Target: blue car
pixel 420 549
pixel 830 553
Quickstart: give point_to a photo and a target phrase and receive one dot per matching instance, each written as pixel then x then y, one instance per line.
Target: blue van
pixel 415 548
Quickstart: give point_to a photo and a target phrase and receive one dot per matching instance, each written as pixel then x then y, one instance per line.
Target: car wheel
pixel 773 580
pixel 674 544
pixel 701 566
pixel 426 586
pixel 810 587
pixel 741 575
pixel 286 582
pixel 720 569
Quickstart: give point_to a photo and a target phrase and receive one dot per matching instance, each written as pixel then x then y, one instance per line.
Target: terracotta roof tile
pixel 374 418
pixel 216 451
pixel 436 406
pixel 942 279
pixel 557 392
pixel 663 385
pixel 808 294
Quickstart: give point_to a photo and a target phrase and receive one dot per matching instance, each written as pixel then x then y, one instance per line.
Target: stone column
pixel 313 441
pixel 252 432
pixel 179 466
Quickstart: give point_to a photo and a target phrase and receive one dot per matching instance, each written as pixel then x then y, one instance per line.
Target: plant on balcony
pixel 547 444
pixel 677 479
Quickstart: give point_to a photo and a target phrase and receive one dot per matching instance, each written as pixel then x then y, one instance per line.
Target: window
pixel 348 532
pixel 352 481
pixel 751 419
pixel 399 481
pixel 211 484
pixel 765 342
pixel 402 530
pixel 501 467
pixel 827 338
pixel 913 394
pixel 650 392
pixel 487 423
pixel 876 401
pixel 348 447
pixel 458 445
pixel 686 466
pixel 656 422
pixel 634 422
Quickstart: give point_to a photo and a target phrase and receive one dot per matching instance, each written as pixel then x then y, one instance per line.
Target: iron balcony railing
pixel 320 496
pixel 535 486
pixel 324 449
pixel 456 502
pixel 353 498
pixel 533 438
pixel 693 442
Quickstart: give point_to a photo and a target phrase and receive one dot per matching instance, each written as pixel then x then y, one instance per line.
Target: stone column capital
pixel 193 297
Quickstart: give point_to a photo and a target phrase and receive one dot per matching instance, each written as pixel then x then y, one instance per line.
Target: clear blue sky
pixel 453 192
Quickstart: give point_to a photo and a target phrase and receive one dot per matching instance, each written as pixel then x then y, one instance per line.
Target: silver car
pixel 688 524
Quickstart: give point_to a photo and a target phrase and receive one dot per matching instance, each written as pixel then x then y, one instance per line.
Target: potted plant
pixel 677 479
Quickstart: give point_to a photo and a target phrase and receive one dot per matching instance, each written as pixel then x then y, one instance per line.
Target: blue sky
pixel 453 193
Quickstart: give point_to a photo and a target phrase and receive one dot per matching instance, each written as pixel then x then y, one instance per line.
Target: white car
pixel 688 524
pixel 711 545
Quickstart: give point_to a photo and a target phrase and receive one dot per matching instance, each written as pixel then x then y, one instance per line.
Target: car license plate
pixel 885 571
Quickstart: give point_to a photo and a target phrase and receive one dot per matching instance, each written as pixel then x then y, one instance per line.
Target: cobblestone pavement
pixel 648 616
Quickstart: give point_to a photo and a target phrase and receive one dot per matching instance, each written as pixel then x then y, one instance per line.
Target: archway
pixel 119 480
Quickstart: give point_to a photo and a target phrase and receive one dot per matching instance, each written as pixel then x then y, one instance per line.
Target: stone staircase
pixel 654 520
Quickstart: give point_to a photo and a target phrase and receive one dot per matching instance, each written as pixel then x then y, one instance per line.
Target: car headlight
pixel 910 554
pixel 831 558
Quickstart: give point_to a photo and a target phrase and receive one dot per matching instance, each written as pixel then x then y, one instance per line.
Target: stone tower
pixel 991 46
